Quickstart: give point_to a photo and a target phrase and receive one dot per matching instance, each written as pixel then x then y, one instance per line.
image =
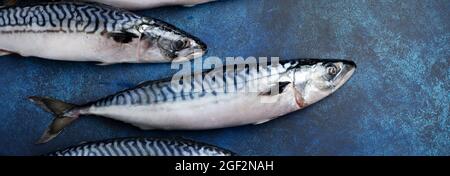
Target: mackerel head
pixel 315 79
pixel 76 31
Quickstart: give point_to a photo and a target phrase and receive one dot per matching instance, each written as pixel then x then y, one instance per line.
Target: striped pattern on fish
pixel 163 91
pixel 66 18
pixel 76 31
pixel 223 97
pixel 143 147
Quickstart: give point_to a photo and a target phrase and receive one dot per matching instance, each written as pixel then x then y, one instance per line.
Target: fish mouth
pixel 196 53
pixel 170 27
pixel 200 45
pixel 197 50
pixel 347 72
pixel 349 63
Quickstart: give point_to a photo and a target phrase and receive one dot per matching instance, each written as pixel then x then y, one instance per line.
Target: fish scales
pixel 163 91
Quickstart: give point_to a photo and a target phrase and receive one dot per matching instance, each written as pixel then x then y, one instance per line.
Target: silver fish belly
pixel 214 99
pixel 144 4
pixel 73 31
pixel 143 147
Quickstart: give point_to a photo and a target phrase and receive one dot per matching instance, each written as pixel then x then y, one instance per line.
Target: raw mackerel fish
pixel 75 31
pixel 221 97
pixel 143 147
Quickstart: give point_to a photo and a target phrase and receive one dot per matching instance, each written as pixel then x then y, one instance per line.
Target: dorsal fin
pixel 7 3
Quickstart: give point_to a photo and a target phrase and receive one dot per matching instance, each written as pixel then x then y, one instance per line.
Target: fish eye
pixel 332 70
pixel 179 45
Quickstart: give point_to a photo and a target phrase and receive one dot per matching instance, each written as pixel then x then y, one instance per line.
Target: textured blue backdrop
pixel 397 103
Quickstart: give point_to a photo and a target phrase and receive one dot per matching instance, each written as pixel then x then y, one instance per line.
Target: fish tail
pixel 61 111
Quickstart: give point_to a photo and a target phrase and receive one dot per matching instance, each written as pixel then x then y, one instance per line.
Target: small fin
pixel 261 122
pixel 122 37
pixel 7 3
pixel 149 82
pixel 143 82
pixel 104 64
pixel 143 127
pixel 4 52
pixel 58 109
pixel 299 99
pixel 281 87
pixel 192 5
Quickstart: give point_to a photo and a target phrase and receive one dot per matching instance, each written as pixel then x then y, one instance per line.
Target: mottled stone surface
pixel 397 103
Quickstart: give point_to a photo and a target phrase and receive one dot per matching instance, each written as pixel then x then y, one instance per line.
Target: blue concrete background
pixel 397 103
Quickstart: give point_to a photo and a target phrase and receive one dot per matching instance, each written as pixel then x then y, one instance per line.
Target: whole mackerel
pixel 223 97
pixel 143 147
pixel 76 31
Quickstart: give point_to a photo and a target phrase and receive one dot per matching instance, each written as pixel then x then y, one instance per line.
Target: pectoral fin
pixel 104 64
pixel 122 37
pixel 299 99
pixel 261 122
pixel 4 52
pixel 281 87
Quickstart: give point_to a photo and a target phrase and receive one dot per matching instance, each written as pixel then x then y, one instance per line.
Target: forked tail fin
pixel 59 110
